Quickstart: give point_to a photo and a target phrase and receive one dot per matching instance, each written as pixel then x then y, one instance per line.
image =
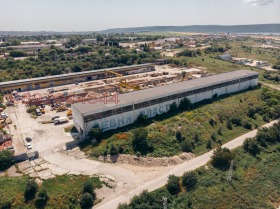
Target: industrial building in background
pixel 112 113
pixel 70 78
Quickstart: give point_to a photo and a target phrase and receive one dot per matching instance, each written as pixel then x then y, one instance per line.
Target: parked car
pixel 28 145
pixel 28 139
pixel 4 115
pixel 55 117
pixel 38 112
pixel 61 120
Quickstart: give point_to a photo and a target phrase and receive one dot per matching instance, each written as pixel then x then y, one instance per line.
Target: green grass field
pixel 63 191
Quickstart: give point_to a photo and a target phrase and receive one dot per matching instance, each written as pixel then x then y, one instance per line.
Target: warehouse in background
pixel 70 78
pixel 109 114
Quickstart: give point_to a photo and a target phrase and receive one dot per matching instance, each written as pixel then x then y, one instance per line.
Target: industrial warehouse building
pixel 70 78
pixel 157 100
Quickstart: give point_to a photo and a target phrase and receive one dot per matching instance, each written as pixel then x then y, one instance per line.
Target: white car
pixel 4 115
pixel 28 145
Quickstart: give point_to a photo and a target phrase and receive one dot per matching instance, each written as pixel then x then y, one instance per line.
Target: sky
pixel 95 15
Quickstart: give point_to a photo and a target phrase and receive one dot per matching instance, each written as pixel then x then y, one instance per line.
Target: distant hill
pixel 260 28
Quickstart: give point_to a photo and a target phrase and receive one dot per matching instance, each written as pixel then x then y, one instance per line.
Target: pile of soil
pixel 147 161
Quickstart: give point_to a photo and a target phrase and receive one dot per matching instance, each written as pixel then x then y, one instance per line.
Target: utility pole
pixel 229 178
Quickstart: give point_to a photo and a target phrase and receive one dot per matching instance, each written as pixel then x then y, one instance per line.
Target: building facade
pixel 71 78
pixel 155 101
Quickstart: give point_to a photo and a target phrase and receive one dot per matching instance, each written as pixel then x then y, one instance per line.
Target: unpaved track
pixel 178 170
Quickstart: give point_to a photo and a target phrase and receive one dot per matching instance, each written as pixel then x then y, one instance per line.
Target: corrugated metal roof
pixel 68 74
pixel 145 95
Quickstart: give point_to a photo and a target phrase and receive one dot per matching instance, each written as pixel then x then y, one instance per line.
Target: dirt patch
pixel 147 161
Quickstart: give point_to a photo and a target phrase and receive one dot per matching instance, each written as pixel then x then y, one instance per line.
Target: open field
pixel 63 191
pixel 195 126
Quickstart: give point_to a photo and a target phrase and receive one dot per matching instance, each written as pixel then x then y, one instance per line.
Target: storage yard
pixel 49 106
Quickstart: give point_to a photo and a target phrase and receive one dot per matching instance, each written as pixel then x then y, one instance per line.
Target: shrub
pixel 209 144
pixel 95 133
pixel 189 180
pixel 6 159
pixel 178 135
pixel 229 125
pixel 186 146
pixel 140 142
pixel 247 124
pixel 185 104
pixel 86 201
pixel 30 190
pixel 220 131
pixel 214 137
pixel 251 146
pixel 142 119
pixel 212 122
pixel 41 199
pixel 173 185
pixel 237 121
pixel 114 150
pixel 31 109
pixel 173 107
pixel 221 158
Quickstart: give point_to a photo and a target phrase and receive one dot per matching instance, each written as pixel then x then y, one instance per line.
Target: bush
pixel 41 199
pixel 86 201
pixel 220 131
pixel 185 104
pixel 6 159
pixel 186 146
pixel 114 150
pixel 212 122
pixel 178 135
pixel 95 133
pixel 189 180
pixel 237 121
pixel 142 119
pixel 173 107
pixel 251 146
pixel 31 109
pixel 30 190
pixel 173 185
pixel 140 142
pixel 214 137
pixel 88 188
pixel 221 158
pixel 229 125
pixel 247 124
pixel 209 144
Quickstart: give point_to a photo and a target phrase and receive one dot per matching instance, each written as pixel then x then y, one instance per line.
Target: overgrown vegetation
pixel 255 182
pixel 57 193
pixel 6 159
pixel 205 126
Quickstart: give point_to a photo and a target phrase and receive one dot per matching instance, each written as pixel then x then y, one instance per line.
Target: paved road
pixel 178 170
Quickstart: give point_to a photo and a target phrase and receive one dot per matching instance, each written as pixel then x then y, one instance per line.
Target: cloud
pixel 259 2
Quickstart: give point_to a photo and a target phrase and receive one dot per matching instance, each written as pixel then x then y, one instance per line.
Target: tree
pixel 221 158
pixel 185 104
pixel 229 125
pixel 6 159
pixel 114 150
pixel 95 133
pixel 186 146
pixel 17 53
pixel 209 144
pixel 178 135
pixel 30 190
pixel 251 146
pixel 140 142
pixel 86 201
pixel 142 119
pixel 41 199
pixel 173 107
pixel 88 188
pixel 77 68
pixel 189 180
pixel 173 185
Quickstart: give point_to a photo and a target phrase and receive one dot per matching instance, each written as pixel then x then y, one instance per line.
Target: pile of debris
pixel 148 161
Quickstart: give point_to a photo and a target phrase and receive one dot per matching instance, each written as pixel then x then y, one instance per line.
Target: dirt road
pixel 178 170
